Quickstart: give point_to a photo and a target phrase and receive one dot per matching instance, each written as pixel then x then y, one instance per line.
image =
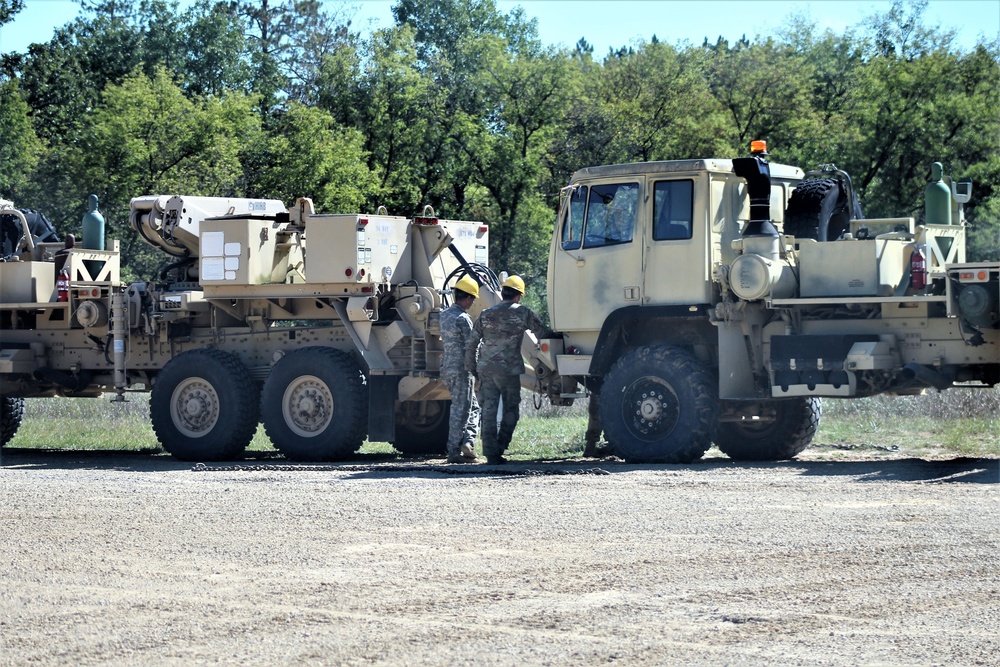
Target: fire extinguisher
pixel 62 286
pixel 918 269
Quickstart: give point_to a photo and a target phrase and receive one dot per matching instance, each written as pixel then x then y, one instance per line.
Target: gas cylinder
pixel 62 286
pixel 93 226
pixel 937 198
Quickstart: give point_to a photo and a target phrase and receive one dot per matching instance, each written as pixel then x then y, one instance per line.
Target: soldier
pixel 499 365
pixel 456 330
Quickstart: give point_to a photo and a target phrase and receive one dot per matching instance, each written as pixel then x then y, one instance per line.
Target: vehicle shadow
pixel 957 470
pixel 379 466
pixel 154 459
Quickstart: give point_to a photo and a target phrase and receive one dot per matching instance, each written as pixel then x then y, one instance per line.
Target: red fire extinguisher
pixel 62 286
pixel 918 269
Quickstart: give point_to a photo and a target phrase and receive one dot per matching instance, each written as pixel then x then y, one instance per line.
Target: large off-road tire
pixel 818 209
pixel 315 405
pixel 659 404
pixel 204 406
pixel 11 414
pixel 790 431
pixel 422 428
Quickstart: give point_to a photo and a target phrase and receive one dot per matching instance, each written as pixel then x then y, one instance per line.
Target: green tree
pixel 764 89
pixel 310 155
pixel 20 148
pixel 919 101
pixel 395 100
pixel 288 42
pixel 146 137
pixel 649 93
pixel 216 56
pixel 8 8
pixel 831 63
pixel 63 79
pixel 509 148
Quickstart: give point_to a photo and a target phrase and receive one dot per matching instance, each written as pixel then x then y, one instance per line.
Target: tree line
pixel 462 107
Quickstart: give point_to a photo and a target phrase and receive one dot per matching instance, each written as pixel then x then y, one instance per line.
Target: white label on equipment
pixel 232 263
pixel 230 275
pixel 119 346
pixel 233 249
pixel 212 244
pixel 213 268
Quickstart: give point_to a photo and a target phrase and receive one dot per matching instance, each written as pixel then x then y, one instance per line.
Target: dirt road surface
pixel 142 560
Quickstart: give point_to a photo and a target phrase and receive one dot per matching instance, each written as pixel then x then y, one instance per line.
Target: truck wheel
pixel 659 404
pixel 11 414
pixel 422 427
pixel 817 210
pixel 315 405
pixel 792 429
pixel 204 406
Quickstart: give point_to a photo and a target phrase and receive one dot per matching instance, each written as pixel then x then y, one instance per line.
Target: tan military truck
pixel 322 327
pixel 719 300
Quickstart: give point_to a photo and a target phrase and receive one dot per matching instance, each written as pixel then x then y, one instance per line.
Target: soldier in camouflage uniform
pixel 499 365
pixel 456 329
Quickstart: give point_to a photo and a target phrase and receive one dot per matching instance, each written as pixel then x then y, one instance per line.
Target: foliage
pixel 462 107
pixel 310 156
pixel 146 137
pixel 20 148
pixel 8 8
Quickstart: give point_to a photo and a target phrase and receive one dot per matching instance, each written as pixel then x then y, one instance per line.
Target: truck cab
pixel 640 241
pixel 717 301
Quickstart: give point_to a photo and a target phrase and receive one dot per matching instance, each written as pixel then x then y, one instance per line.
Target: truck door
pixel 677 270
pixel 597 259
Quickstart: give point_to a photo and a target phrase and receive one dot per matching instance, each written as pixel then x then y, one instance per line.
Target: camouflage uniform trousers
pixel 463 424
pixel 593 434
pixel 491 389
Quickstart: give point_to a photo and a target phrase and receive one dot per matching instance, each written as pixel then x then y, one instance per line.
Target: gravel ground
pixel 136 560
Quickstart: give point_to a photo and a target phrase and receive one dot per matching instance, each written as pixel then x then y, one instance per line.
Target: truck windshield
pixel 611 214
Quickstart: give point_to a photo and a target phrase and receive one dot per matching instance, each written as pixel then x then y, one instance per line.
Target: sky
pixel 610 24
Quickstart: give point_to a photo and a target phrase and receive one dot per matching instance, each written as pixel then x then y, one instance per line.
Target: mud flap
pixel 382 407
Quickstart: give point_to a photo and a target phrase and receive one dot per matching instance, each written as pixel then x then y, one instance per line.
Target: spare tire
pixel 818 209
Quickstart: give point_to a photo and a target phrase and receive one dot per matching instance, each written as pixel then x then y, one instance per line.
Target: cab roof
pixel 677 166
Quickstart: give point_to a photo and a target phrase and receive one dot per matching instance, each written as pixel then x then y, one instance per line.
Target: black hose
pixel 479 272
pixel 175 265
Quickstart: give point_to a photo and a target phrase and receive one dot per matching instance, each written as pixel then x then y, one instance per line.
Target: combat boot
pixel 468 450
pixel 594 451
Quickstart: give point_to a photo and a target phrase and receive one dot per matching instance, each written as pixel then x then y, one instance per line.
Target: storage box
pixel 851 268
pixel 237 251
pixel 26 282
pixel 352 248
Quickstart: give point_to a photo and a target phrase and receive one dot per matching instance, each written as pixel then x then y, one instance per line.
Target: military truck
pixel 717 301
pixel 700 301
pixel 323 327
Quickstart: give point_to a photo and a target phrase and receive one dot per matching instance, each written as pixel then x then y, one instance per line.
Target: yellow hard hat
pixel 515 283
pixel 468 285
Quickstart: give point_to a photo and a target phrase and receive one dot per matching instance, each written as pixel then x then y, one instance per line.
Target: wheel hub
pixel 308 405
pixel 195 407
pixel 651 409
